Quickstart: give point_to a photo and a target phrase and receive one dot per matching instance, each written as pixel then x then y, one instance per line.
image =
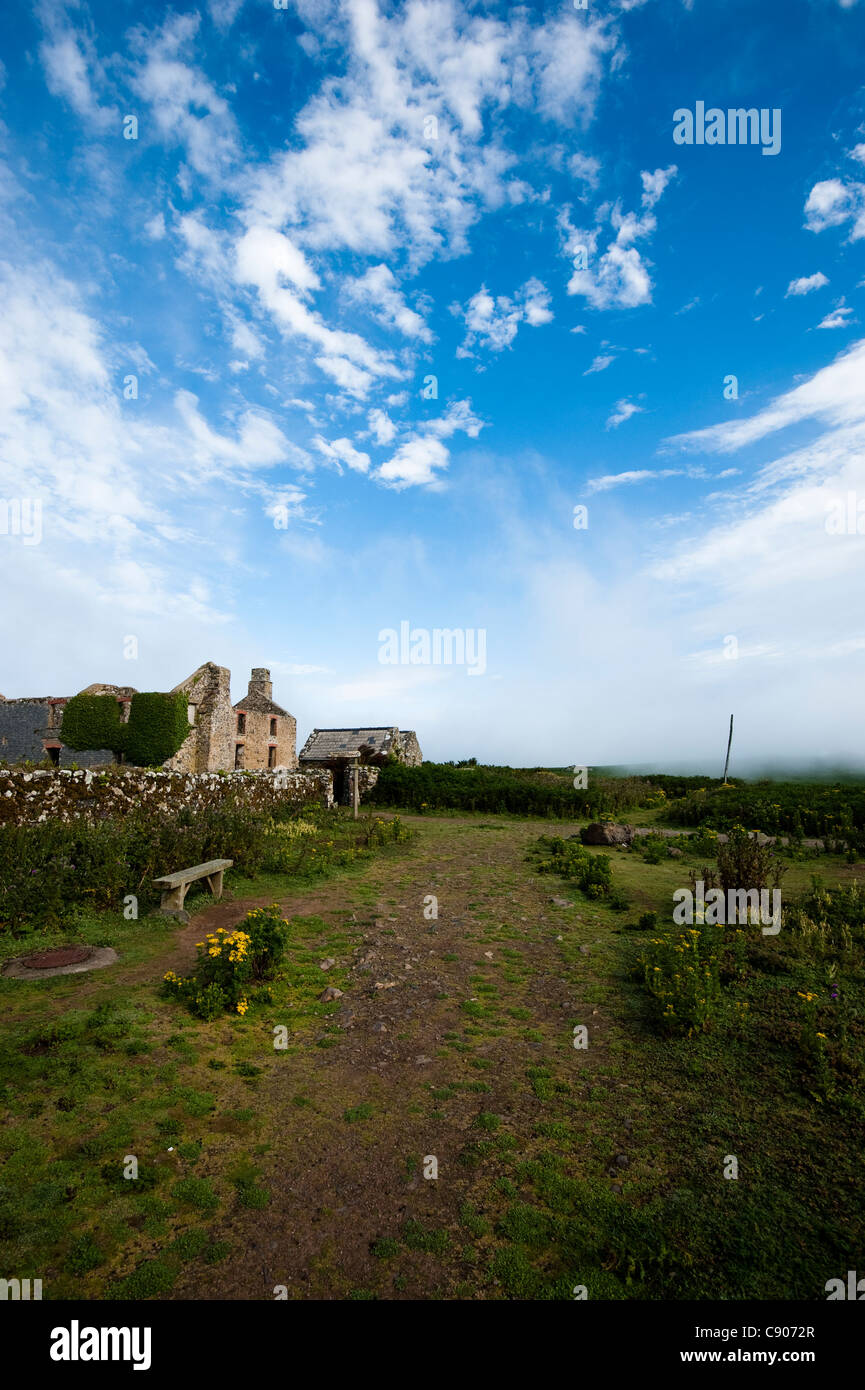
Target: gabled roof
pixel 259 704
pixel 325 744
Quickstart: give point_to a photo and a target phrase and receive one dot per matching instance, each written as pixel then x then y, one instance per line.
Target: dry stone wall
pixel 29 797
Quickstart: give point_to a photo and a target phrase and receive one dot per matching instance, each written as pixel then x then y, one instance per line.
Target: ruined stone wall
pixel 410 748
pixel 29 797
pixel 23 726
pixel 209 746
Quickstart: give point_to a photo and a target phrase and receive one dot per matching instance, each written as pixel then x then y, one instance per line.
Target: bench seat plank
pixel 190 875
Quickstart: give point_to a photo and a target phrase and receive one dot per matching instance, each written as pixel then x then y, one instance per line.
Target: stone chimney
pixel 260 682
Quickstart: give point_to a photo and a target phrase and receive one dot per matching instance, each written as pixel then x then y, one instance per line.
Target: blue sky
pixel 325 207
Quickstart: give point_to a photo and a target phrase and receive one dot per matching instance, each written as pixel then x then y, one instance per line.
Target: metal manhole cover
pixel 60 955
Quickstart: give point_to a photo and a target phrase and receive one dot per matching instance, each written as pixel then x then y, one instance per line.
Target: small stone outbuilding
pixel 337 750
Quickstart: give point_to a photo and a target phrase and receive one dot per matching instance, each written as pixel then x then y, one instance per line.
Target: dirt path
pixel 430 1004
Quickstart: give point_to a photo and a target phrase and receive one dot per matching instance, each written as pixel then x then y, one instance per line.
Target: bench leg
pixel 173 898
pixel 214 883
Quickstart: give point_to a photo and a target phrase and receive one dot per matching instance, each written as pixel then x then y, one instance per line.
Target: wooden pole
pixel 355 777
pixel 729 741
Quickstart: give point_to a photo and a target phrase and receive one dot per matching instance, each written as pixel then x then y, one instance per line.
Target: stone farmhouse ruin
pixel 254 734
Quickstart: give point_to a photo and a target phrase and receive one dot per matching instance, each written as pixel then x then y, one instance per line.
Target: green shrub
pixel 655 849
pixel 268 937
pixel 195 1192
pixel 743 863
pixel 592 873
pixel 151 1278
pixel 191 1244
pixel 228 961
pixel 385 1249
pixel 704 841
pixel 84 1255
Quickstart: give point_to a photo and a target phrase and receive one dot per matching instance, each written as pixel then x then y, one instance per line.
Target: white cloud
pixel 831 203
pixel 124 487
pixel 415 463
pixel 154 229
pixel 806 283
pixel 586 168
pixel 339 451
pixel 259 443
pixel 838 316
pixel 351 378
pixel 458 416
pixel 382 427
pixel 618 277
pixel 264 256
pixel 292 668
pixel 283 503
pixel 654 184
pixel 493 322
pixel 305 549
pixel 244 339
pixel 422 457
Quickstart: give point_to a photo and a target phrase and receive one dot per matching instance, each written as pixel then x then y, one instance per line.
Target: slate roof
pixel 328 744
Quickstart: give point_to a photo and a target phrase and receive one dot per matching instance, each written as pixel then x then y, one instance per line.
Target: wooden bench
pixel 175 886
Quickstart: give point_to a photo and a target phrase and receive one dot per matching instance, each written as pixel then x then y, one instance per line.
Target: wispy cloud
pixel 623 411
